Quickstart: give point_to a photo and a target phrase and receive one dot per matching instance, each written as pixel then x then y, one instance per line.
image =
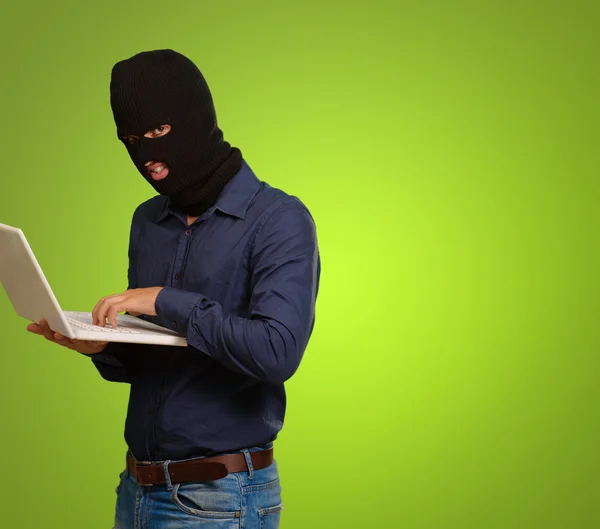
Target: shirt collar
pixel 233 200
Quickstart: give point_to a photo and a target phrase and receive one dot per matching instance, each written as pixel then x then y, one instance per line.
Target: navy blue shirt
pixel 240 284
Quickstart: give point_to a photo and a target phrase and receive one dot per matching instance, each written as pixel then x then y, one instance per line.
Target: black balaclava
pixel 161 87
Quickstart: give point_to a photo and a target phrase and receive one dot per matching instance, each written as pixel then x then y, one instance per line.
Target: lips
pixel 157 170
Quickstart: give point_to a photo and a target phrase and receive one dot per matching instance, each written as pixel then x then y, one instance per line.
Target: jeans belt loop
pixel 167 475
pixel 246 453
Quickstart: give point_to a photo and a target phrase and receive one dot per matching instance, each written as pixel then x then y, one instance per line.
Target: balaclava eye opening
pixel 163 87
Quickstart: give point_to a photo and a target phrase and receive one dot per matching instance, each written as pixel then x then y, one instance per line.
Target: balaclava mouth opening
pixel 163 87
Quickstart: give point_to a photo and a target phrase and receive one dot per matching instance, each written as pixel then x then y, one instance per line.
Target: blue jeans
pixel 250 499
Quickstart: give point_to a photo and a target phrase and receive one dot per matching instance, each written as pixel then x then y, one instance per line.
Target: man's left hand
pixel 137 301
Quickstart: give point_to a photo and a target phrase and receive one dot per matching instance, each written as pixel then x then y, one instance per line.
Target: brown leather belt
pixel 203 469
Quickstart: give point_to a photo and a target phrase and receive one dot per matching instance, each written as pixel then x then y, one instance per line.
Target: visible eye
pixel 158 131
pixel 130 139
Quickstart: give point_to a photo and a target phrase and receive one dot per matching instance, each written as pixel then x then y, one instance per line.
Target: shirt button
pixel 188 232
pixel 174 324
pixel 177 276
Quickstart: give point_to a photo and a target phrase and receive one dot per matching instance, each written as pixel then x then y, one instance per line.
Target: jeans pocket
pixel 265 498
pixel 208 501
pixel 270 518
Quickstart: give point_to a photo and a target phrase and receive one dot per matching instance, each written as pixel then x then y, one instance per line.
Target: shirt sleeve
pixel 269 344
pixel 117 362
pixel 114 363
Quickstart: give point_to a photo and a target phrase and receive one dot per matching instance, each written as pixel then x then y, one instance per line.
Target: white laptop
pixel 33 299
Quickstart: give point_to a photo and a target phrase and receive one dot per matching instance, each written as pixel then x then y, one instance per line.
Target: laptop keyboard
pixel 108 329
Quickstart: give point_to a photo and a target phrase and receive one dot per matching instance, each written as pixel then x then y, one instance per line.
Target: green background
pixel 449 153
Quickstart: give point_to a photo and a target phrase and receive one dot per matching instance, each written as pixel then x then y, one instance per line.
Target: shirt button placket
pixel 189 233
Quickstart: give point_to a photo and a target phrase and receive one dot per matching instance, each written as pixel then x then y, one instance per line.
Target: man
pixel 232 264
